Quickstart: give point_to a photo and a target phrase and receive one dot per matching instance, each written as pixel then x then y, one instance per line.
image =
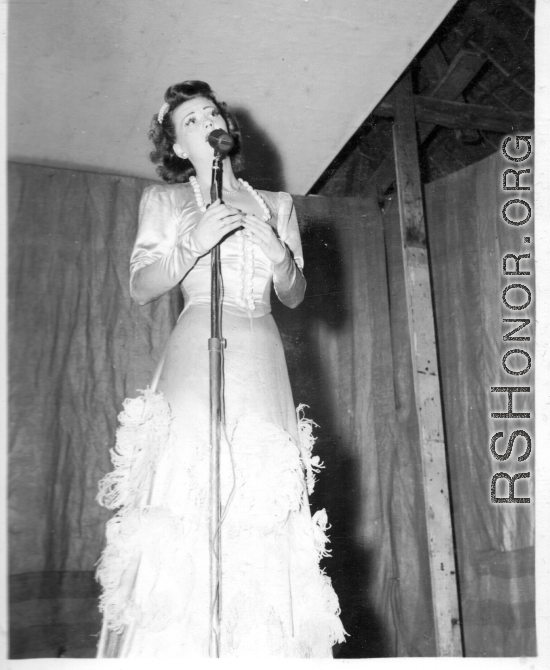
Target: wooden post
pixel 426 376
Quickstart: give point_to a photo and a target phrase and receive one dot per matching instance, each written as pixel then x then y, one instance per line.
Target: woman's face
pixel 193 121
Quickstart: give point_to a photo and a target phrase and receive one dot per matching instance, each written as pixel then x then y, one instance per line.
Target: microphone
pixel 220 141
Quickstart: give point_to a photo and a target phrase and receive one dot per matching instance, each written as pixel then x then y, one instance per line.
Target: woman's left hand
pixel 263 234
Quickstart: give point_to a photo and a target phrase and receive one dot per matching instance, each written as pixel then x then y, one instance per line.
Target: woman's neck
pixel 229 181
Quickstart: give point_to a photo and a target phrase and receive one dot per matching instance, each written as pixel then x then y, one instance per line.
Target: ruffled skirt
pixel 155 569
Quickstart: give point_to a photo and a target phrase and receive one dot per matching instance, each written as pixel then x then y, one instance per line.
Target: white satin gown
pixel 154 571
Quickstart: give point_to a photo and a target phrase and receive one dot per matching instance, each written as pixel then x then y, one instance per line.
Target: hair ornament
pixel 162 112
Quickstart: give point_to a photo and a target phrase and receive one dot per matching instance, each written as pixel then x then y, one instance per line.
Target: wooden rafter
pixel 462 115
pixel 452 78
pixel 489 93
pixel 453 87
pixel 502 32
pixel 434 65
pixel 474 45
pixel 468 81
pixel 462 69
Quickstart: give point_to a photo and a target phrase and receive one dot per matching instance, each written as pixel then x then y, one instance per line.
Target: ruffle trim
pixel 312 464
pixel 142 436
pixel 246 271
pixel 150 539
pixel 272 479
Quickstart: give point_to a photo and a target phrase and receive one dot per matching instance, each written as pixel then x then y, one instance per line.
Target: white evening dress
pixel 154 571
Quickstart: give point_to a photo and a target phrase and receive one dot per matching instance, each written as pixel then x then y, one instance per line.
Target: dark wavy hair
pixel 172 168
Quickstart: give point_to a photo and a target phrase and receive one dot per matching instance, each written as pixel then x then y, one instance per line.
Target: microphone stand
pixel 215 354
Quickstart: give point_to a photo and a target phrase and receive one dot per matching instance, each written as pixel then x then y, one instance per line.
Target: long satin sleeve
pixel 162 253
pixel 288 279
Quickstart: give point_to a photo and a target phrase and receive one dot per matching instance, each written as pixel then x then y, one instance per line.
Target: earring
pixel 184 156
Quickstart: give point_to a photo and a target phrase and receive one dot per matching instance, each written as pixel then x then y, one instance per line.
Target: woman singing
pixel 275 600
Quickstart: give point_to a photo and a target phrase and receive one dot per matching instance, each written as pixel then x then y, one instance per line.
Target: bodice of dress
pixel 165 254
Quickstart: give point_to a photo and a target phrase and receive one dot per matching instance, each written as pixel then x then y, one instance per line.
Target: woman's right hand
pixel 218 220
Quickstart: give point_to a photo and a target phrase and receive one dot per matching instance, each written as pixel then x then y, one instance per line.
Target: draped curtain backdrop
pixel 79 346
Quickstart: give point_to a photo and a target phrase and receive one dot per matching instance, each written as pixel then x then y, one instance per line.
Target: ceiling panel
pixel 86 77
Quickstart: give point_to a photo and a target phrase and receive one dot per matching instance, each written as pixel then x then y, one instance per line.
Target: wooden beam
pixel 416 280
pixel 462 69
pixel 490 93
pixel 501 31
pixel 456 78
pixel 451 115
pixel 471 117
pixel 407 167
pixel 384 175
pixel 434 64
pixel 496 63
pixel 463 115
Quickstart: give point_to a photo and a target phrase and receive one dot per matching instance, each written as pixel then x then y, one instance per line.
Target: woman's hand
pixel 263 234
pixel 218 220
